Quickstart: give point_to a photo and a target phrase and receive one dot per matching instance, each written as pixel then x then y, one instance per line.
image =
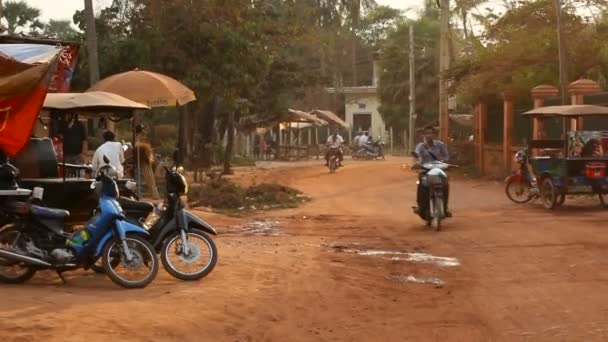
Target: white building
pixel 361 107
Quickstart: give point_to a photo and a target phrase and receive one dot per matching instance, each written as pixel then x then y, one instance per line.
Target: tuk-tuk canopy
pixel 572 110
pixel 95 101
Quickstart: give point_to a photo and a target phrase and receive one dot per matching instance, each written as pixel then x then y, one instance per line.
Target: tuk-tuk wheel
pixel 548 193
pixel 561 199
pixel 603 199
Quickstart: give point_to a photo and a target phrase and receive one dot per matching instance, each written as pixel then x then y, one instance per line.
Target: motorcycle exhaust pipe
pixel 23 258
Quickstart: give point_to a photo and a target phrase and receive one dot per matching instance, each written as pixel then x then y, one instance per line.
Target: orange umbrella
pixel 149 88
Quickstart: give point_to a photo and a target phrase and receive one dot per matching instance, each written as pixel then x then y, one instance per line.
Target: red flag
pixel 23 89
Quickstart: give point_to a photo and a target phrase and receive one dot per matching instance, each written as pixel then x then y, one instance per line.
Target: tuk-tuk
pixel 576 163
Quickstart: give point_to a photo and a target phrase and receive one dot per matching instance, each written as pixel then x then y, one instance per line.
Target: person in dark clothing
pixel 74 141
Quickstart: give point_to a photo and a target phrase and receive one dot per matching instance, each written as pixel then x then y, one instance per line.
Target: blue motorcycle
pixel 35 239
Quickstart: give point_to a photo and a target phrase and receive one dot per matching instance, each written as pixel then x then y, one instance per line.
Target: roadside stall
pixel 295 119
pixel 66 185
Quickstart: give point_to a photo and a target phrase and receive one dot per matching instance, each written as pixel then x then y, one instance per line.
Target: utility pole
pixel 444 65
pixel 563 55
pixel 412 121
pixel 91 41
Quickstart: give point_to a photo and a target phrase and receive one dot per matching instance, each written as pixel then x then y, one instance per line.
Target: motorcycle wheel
pixel 205 252
pixel 144 257
pixel 332 165
pixel 12 272
pixel 98 266
pixel 518 191
pixel 437 214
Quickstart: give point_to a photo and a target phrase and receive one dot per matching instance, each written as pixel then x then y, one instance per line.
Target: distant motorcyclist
pixel 428 151
pixel 334 141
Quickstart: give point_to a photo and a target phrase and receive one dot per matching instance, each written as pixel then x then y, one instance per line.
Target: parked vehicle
pixel 187 252
pixel 36 240
pixel 370 151
pixel 521 186
pixel 580 165
pixel 435 179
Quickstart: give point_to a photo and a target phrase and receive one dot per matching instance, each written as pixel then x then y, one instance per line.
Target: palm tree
pixel 20 15
pixel 91 41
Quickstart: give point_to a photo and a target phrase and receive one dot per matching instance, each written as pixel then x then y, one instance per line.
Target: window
pixel 362 105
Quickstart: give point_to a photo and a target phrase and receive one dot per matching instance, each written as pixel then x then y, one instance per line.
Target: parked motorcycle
pixel 521 186
pixel 435 179
pixel 370 151
pixel 36 240
pixel 187 252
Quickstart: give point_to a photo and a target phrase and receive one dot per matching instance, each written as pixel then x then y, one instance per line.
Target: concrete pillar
pixel 539 94
pixel 578 89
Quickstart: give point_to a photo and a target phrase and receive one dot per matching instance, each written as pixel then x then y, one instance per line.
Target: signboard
pixel 62 78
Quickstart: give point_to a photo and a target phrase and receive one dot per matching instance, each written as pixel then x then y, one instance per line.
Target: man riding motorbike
pixel 430 150
pixel 334 141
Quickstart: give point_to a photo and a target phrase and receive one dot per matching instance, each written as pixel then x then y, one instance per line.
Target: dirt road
pixel 353 265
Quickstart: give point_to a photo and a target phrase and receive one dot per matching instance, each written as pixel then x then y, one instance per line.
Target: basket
pixel 595 170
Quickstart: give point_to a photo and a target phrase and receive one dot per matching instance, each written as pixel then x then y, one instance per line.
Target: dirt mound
pixel 225 195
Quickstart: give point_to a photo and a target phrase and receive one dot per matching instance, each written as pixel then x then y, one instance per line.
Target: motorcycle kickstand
pixel 63 280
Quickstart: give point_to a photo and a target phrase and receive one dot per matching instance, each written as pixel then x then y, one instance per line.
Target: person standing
pixel 74 141
pixel 113 151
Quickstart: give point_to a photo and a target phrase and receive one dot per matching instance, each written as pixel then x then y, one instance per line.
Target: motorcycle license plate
pixel 38 193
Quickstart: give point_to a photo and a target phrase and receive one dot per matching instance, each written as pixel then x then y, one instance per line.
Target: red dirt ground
pixel 525 274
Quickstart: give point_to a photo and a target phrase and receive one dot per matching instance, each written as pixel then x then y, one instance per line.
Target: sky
pixel 64 9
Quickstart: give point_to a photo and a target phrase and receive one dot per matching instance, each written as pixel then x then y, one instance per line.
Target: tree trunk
pixel 91 42
pixel 229 145
pixel 355 15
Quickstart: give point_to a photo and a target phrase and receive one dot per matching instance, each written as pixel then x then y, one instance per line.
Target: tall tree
pixel 60 29
pixel 21 17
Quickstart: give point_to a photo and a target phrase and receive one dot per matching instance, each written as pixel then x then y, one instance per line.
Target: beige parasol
pixel 94 100
pixel 149 88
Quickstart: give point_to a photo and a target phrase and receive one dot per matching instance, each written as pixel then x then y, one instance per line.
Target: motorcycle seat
pixel 49 213
pixel 129 204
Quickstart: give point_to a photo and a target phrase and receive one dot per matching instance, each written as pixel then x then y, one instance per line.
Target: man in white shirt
pixel 364 139
pixel 356 141
pixel 334 141
pixel 111 149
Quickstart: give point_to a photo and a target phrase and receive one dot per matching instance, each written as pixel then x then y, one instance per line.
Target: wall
pixel 372 103
pixel 492 160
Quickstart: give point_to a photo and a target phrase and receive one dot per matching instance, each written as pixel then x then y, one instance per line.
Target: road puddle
pixel 262 227
pixel 405 256
pixel 406 278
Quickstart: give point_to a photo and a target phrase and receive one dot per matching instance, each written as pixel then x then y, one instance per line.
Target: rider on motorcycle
pixel 430 150
pixel 334 141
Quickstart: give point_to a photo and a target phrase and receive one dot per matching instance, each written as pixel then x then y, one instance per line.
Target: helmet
pixel 520 156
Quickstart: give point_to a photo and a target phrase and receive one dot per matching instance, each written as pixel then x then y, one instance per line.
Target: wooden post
pixel 405 142
pixel 482 112
pixel 247 145
pixel 391 133
pixel 507 139
pixel 309 136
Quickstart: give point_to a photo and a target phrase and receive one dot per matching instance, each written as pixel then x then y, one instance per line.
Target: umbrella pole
pixel 138 149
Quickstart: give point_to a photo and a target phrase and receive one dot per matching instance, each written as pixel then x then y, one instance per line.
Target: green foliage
pixel 520 51
pixel 394 80
pixel 21 17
